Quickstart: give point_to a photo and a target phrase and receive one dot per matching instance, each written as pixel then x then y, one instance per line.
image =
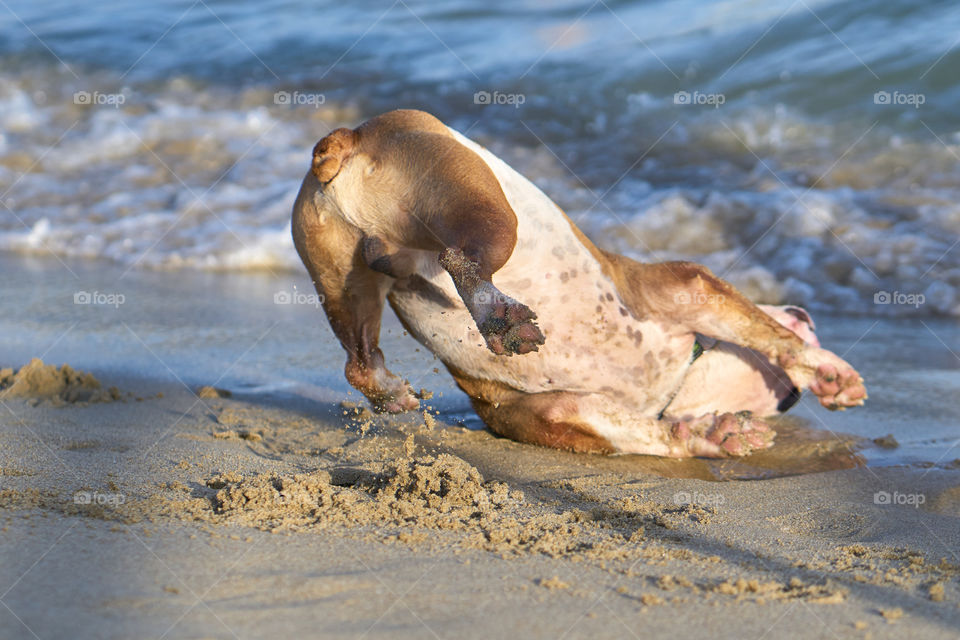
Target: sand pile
pixel 41 381
pixel 410 500
pixel 419 499
pixel 435 492
pixel 414 489
pixel 414 499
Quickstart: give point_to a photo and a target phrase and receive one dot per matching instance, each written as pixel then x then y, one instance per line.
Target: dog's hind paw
pixel 395 404
pixel 386 392
pixel 509 328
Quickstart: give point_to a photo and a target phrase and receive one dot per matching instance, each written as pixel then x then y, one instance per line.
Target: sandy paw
pixel 397 401
pixel 386 392
pixel 509 328
pixel 723 435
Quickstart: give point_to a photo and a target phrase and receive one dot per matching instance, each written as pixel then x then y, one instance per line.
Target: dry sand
pixel 154 511
pixel 37 382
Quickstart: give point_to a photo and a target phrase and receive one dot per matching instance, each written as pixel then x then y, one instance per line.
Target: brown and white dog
pixel 574 347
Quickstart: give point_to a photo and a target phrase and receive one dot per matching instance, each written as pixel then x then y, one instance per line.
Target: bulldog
pixel 556 342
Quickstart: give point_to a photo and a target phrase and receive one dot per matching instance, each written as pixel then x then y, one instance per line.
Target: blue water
pixel 786 170
pixel 821 57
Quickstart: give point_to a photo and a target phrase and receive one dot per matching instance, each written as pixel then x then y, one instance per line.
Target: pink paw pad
pixel 723 435
pixel 838 389
pixel 739 434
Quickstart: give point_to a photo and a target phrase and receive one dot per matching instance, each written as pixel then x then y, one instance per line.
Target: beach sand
pixel 197 484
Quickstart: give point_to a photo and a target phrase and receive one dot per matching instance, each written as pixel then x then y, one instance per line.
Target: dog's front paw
pixel 838 387
pixel 509 328
pixel 724 435
pixel 835 383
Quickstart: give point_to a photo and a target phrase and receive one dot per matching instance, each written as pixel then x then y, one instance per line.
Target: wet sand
pixel 167 513
pixel 221 483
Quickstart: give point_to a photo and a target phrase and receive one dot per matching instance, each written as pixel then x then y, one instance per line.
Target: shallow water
pixel 175 134
pixel 227 330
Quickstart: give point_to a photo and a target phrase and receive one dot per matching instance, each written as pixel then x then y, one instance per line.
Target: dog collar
pixel 696 353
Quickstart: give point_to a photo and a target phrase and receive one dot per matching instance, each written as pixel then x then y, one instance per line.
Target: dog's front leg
pixel 691 295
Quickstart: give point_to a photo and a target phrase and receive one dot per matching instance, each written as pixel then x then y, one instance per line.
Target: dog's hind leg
pixel 353 296
pixel 408 185
pixel 506 324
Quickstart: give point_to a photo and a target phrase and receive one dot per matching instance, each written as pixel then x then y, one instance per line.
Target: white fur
pixel 589 345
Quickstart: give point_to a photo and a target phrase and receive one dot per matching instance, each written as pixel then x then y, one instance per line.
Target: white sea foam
pixel 182 176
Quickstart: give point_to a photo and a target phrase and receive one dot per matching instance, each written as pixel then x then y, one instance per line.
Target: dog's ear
pixel 800 314
pixel 330 153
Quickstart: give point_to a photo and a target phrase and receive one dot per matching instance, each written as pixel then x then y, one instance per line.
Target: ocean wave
pixel 791 209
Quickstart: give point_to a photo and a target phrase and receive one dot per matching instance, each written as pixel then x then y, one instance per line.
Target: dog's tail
pixel 330 153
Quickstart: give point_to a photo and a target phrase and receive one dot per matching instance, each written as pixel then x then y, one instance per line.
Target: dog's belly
pixel 593 344
pixel 640 364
